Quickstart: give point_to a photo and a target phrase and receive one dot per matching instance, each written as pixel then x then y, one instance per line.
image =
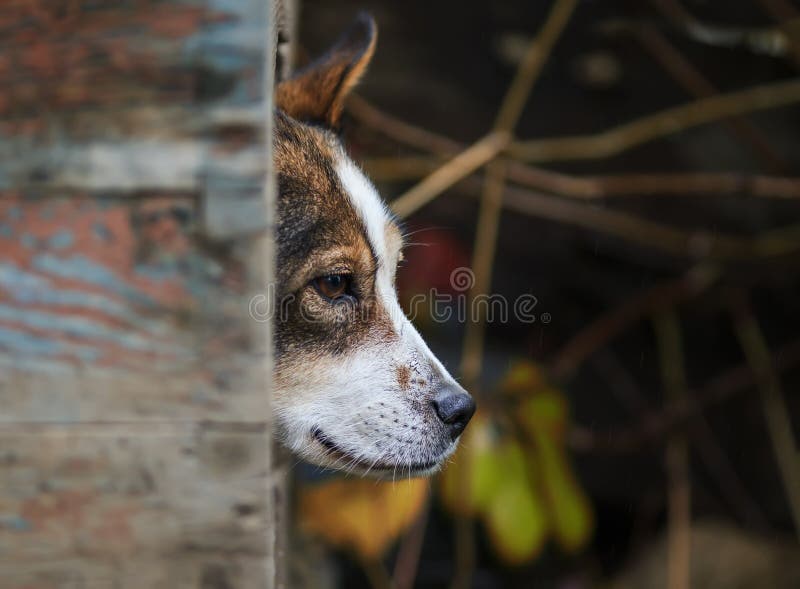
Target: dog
pixel 356 387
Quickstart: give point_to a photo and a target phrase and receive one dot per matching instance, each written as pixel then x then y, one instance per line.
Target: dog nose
pixel 455 408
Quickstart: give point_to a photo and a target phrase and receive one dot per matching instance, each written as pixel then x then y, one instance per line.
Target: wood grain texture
pixel 115 309
pixel 135 441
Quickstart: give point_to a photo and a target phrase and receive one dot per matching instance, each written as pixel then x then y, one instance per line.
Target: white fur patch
pixel 374 216
pixel 370 207
pixel 356 401
pixel 367 203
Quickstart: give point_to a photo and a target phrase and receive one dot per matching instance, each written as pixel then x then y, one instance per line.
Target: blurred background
pixel 639 428
pixel 602 208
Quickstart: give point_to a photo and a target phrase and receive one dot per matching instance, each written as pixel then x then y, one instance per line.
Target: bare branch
pixel 606 327
pixel 451 172
pixel 776 412
pixel 670 347
pixel 488 224
pixel 585 187
pixel 651 234
pixel 678 66
pixel 653 428
pixel 661 124
pixel 407 562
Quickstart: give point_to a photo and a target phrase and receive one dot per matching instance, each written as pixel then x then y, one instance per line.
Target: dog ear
pixel 316 93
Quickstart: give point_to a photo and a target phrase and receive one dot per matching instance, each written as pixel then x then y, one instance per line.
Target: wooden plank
pixel 137 95
pixel 105 491
pixel 135 441
pixel 219 571
pixel 115 309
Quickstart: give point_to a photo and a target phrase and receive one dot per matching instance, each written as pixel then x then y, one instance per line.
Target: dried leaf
pixel 469 483
pixel 545 418
pixel 515 517
pixel 570 511
pixel 545 410
pixel 523 377
pixel 361 515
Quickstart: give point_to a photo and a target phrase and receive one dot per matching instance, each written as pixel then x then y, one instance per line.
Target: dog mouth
pixel 351 461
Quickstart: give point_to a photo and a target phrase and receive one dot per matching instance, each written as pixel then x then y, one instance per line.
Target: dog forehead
pixel 305 162
pixel 371 211
pixel 322 188
pixel 315 213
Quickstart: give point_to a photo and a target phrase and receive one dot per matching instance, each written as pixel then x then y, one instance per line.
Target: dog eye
pixel 334 286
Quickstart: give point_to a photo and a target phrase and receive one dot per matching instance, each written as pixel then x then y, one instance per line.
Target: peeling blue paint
pixel 27 288
pixel 83 269
pixel 157 272
pixel 235 45
pixel 13 277
pixel 82 327
pixel 61 240
pixel 102 232
pixel 45 366
pixel 25 343
pixel 20 341
pixel 15 522
pixel 48 212
pixel 29 241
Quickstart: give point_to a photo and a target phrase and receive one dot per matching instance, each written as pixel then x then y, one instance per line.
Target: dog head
pixel 356 386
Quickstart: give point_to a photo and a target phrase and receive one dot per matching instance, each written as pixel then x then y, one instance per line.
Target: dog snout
pixel 454 407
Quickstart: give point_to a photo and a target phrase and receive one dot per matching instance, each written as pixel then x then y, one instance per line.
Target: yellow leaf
pixel 569 508
pixel 515 517
pixel 522 377
pixel 545 417
pixel 360 514
pixel 545 410
pixel 472 478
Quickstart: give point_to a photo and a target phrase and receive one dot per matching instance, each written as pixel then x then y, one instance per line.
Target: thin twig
pixel 781 10
pixel 653 428
pixel 602 330
pixel 761 40
pixel 582 187
pixel 464 565
pixel 689 77
pixel 405 568
pixel 646 516
pixel 686 184
pixel 399 130
pixel 776 412
pixel 709 450
pixel 654 126
pixel 787 16
pixel 482 263
pixel 413 167
pixel 532 63
pixel 376 574
pixel 486 237
pixel 728 481
pixel 701 245
pixel 670 348
pixel 456 169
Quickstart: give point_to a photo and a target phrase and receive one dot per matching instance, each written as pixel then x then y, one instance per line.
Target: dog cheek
pixel 403 377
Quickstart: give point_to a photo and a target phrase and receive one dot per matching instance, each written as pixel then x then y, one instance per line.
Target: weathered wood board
pixel 82 504
pixel 135 448
pixel 113 310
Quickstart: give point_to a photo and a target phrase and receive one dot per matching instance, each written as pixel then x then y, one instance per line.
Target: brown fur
pixel 317 93
pixel 319 233
pixel 403 377
pixel 355 383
